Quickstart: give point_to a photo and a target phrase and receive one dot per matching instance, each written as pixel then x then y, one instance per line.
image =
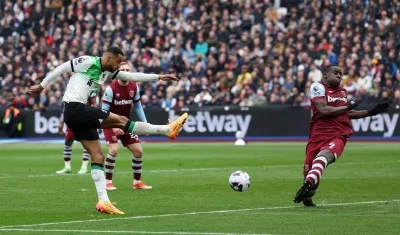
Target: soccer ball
pixel 239 181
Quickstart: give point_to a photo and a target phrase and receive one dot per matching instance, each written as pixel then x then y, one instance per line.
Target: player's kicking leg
pixel 328 154
pixel 141 128
pixel 307 201
pixel 84 121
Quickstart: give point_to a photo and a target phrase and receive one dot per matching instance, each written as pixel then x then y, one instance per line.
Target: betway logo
pixel 122 102
pixel 204 122
pixel 44 125
pixel 379 123
pixel 333 99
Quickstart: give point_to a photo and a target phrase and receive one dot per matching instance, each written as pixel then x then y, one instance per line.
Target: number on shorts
pixel 331 145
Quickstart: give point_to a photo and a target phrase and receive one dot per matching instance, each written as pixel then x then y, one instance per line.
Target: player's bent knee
pixel 113 151
pixel 68 142
pixel 136 150
pixel 137 153
pixel 330 157
pixel 98 158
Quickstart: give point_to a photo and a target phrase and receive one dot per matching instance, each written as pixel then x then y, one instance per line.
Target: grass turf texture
pixel 358 195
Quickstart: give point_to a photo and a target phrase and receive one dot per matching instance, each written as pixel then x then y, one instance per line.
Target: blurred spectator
pixel 237 52
pixel 169 101
pixel 396 99
pixel 202 98
pixel 315 74
pixel 53 105
pixel 13 121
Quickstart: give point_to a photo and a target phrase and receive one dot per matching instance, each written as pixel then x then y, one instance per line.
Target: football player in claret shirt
pixel 120 97
pixel 330 127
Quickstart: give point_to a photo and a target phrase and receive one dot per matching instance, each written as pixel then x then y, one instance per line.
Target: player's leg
pixel 69 140
pixel 311 151
pixel 132 143
pixel 97 171
pixel 329 153
pixel 84 121
pixel 85 161
pixel 141 128
pixel 112 144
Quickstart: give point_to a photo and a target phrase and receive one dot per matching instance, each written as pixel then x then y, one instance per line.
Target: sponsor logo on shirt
pixel 122 102
pixel 334 99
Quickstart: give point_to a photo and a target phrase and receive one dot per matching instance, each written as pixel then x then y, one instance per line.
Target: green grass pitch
pixel 360 194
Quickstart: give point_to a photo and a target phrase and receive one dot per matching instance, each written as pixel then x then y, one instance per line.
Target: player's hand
pixel 166 77
pixel 118 131
pixel 353 104
pixel 381 107
pixel 60 129
pixel 36 89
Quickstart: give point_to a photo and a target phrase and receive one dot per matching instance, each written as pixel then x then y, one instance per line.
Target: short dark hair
pixel 115 50
pixel 329 67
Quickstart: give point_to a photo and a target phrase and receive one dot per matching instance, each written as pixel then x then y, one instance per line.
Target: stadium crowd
pixel 239 52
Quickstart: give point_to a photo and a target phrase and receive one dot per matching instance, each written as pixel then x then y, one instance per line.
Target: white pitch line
pixel 129 232
pixel 194 169
pixel 195 213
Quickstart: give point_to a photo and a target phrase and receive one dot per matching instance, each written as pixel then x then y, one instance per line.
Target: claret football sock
pixel 110 164
pixel 85 158
pixel 317 169
pixel 137 169
pixel 67 156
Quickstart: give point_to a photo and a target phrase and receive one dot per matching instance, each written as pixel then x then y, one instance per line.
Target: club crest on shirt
pixel 117 94
pixel 344 93
pixel 81 59
pixel 131 93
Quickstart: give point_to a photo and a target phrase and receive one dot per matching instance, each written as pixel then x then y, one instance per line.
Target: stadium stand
pixel 236 52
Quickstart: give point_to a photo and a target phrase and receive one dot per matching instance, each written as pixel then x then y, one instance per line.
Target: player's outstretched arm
pixel 325 110
pixel 317 95
pixel 138 106
pixel 139 111
pixel 377 109
pixel 50 77
pixel 81 64
pixel 144 77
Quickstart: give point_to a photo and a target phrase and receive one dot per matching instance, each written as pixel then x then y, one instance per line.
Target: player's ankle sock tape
pixel 129 126
pixel 97 166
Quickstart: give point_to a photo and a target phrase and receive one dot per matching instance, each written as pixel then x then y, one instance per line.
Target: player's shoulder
pixel 85 59
pixel 108 92
pixel 317 90
pixel 317 87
